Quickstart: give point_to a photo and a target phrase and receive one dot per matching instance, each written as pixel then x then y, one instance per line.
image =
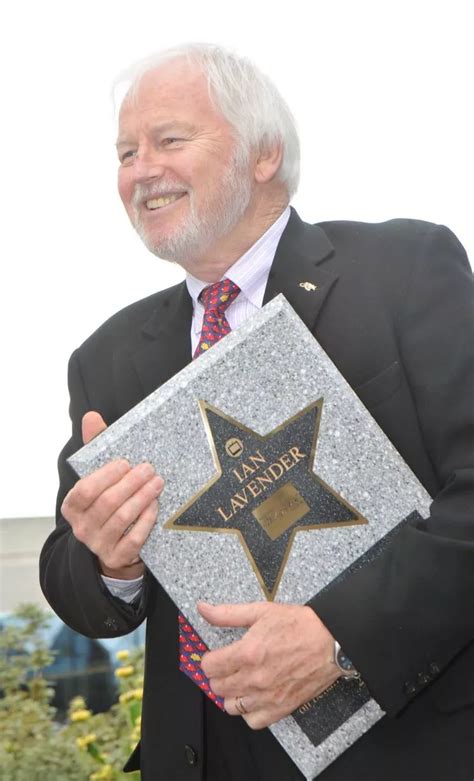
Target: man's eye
pixel 126 155
pixel 171 140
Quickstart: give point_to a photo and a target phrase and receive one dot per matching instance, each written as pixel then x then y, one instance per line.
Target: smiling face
pixel 180 179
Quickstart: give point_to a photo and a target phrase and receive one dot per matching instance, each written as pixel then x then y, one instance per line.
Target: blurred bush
pixel 33 746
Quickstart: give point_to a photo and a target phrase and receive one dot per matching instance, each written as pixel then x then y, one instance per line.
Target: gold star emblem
pixel 267 494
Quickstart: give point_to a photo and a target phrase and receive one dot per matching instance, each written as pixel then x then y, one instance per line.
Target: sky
pixel 382 94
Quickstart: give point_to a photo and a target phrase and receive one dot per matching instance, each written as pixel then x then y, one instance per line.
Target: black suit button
pixel 434 669
pixel 190 755
pixel 111 623
pixel 409 688
pixel 423 678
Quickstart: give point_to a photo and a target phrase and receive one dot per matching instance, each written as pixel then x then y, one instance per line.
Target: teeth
pixel 157 203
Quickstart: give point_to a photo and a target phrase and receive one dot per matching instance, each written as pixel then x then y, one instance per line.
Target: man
pixel 208 164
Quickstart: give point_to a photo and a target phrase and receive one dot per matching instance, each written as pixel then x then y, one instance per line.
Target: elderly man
pixel 209 161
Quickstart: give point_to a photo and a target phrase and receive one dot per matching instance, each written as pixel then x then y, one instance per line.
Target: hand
pixel 113 509
pixel 283 660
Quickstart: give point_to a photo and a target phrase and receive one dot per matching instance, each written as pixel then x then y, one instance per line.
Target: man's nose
pixel 148 164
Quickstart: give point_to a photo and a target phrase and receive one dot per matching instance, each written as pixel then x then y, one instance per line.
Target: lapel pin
pixel 308 286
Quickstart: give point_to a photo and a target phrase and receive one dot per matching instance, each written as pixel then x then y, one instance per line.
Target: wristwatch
pixel 344 663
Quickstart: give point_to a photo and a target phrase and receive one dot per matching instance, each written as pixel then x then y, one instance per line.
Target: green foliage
pixel 33 747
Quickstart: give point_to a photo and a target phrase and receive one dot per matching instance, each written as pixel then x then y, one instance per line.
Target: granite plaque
pixel 271 462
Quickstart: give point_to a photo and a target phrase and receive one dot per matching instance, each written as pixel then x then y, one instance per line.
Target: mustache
pixel 145 191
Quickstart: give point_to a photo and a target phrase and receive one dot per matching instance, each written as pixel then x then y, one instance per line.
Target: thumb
pixel 92 425
pixel 232 615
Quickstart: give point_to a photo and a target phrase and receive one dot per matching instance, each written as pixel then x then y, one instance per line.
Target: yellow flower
pixel 81 715
pixel 126 696
pixel 125 672
pixel 84 741
pixel 77 703
pixel 106 773
pixel 122 655
pixel 131 694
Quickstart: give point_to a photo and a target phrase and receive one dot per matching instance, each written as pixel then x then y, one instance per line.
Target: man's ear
pixel 268 162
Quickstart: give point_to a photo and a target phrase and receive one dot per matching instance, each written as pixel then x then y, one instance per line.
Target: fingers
pixel 128 545
pixel 92 425
pixel 282 661
pixel 238 705
pixel 223 661
pixel 118 510
pixel 126 499
pixel 234 665
pixel 236 668
pixel 262 718
pixel 106 489
pixel 89 488
pixel 113 510
pixel 256 715
pixel 232 615
pixel 230 686
pixel 264 708
pixel 226 661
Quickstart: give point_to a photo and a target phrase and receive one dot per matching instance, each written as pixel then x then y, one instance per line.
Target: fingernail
pixel 146 470
pixel 157 483
pixel 205 604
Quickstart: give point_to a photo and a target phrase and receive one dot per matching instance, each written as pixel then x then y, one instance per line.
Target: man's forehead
pixel 176 82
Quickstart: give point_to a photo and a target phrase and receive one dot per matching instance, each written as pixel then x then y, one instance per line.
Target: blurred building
pixel 82 665
pixel 21 540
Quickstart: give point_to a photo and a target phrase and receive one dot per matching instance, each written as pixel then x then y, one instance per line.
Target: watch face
pixel 344 663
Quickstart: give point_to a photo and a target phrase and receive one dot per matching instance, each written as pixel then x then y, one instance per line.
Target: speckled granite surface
pixel 261 375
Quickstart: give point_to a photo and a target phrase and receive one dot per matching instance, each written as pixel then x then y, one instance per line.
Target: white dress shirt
pixel 250 272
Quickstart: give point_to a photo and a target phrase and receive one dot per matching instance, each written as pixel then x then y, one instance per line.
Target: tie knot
pixel 219 296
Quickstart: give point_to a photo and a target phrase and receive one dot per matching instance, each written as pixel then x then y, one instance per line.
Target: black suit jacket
pixel 394 310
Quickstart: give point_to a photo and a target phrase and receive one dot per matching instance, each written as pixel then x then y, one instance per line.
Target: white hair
pixel 245 97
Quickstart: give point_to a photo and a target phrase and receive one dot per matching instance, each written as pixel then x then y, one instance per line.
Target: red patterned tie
pixel 215 299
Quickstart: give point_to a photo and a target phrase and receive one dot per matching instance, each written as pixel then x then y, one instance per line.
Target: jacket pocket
pixel 380 387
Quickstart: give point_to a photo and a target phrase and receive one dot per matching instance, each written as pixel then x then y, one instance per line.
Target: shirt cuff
pixel 127 590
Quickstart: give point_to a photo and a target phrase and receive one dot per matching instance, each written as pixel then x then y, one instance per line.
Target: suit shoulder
pixel 398 243
pixel 398 229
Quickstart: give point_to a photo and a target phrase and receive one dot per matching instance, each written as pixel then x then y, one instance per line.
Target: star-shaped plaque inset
pixel 264 490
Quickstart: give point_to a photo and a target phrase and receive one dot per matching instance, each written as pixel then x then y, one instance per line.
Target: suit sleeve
pixel 69 573
pixel 406 617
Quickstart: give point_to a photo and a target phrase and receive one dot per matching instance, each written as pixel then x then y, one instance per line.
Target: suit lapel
pixel 295 271
pixel 167 340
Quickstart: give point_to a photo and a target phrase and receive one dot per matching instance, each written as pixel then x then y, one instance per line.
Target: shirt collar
pixel 250 272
